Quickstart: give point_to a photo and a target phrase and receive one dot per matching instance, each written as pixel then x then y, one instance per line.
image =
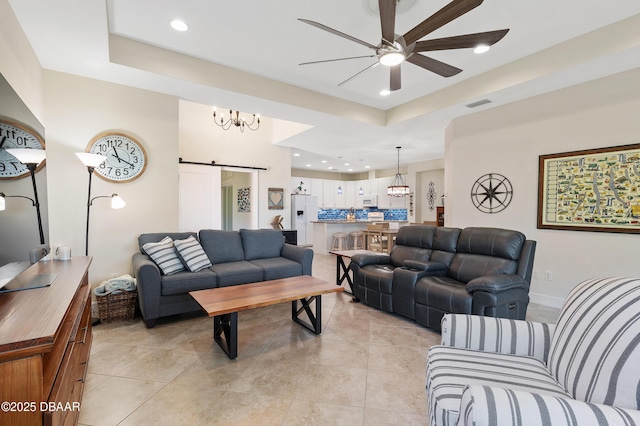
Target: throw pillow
pixel 164 255
pixel 192 254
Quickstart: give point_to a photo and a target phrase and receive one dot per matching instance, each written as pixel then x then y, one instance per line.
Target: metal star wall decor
pixel 491 193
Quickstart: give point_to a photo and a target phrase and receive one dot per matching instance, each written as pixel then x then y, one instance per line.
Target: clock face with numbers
pixel 16 135
pixel 126 157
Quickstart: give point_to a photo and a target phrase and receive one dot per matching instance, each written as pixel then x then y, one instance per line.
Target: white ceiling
pixel 265 39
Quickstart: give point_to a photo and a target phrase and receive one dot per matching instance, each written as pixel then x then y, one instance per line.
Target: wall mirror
pixel 19 231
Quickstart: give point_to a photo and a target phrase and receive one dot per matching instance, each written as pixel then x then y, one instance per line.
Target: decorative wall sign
pixel 244 200
pixel 275 198
pixel 591 190
pixel 432 195
pixel 491 193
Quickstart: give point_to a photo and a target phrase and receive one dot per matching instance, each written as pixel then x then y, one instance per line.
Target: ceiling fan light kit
pixel 394 49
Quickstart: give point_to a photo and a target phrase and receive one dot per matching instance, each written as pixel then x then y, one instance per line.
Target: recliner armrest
pixel 501 335
pixel 493 406
pixel 426 266
pixel 497 283
pixel 361 260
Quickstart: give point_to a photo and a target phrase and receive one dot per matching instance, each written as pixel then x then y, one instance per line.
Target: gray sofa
pixel 432 271
pixel 237 257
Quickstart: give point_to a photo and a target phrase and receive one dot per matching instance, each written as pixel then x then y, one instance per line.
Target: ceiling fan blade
pixel 433 65
pixel 338 59
pixel 442 17
pixel 461 41
pixel 338 33
pixel 394 83
pixel 358 73
pixel 388 19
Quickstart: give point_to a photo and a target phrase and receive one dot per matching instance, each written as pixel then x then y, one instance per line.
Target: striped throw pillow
pixel 192 254
pixel 164 255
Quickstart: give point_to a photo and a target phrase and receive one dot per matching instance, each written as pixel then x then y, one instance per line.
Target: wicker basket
pixel 117 306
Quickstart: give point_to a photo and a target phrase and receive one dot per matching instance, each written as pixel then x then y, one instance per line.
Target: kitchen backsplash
pixel 361 214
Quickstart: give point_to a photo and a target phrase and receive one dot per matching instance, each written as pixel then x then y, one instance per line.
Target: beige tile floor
pixel 367 368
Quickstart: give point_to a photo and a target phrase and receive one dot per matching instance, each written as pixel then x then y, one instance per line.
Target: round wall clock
pixel 491 193
pixel 126 157
pixel 16 135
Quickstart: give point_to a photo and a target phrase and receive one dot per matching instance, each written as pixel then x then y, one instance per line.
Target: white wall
pixel 202 141
pixel 508 141
pixel 77 109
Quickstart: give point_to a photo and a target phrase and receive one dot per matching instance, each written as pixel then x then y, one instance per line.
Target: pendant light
pixel 398 187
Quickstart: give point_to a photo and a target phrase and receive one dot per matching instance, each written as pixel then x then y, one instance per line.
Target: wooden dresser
pixel 45 339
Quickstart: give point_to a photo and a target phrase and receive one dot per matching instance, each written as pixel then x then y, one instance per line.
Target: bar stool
pixel 340 241
pixel 358 240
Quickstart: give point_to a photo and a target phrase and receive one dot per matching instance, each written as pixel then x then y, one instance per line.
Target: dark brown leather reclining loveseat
pixel 432 271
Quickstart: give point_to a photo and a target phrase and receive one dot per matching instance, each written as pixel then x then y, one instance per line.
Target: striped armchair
pixel 584 370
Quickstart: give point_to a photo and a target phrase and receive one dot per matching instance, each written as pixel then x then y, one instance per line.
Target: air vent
pixel 478 103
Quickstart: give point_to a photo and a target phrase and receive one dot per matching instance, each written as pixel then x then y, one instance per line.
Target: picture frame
pixel 590 190
pixel 275 197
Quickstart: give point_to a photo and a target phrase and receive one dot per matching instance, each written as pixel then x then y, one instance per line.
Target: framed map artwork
pixel 591 190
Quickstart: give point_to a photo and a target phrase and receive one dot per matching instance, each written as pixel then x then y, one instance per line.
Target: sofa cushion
pixel 493 242
pixel 184 282
pixel 450 370
pixel 261 243
pixel 595 350
pixel 278 267
pixel 154 237
pixel 443 293
pixel 416 236
pixel 222 246
pixel 233 273
pixel 163 254
pixel 191 254
pixel 464 267
pixel 401 253
pixel 446 239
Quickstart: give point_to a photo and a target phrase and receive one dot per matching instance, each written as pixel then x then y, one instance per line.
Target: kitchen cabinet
pixel 317 188
pixel 384 201
pixel 350 194
pixel 328 196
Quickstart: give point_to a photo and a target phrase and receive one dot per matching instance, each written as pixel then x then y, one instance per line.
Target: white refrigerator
pixel 304 209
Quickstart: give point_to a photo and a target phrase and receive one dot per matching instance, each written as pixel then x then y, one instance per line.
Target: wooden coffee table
pixel 224 303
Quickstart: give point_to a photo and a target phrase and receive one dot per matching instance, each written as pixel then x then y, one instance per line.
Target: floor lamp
pixel 91 161
pixel 31 158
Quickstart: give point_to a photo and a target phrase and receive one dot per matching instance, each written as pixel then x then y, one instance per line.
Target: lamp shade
pixel 90 160
pixel 2 203
pixel 117 202
pixel 27 155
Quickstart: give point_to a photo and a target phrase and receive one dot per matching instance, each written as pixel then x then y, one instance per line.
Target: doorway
pixel 227 208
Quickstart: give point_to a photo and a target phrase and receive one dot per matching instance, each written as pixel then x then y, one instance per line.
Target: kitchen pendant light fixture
pixel 398 187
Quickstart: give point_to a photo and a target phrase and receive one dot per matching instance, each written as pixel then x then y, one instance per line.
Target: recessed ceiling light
pixel 350 170
pixel 347 164
pixel 367 167
pixel 179 25
pixel 308 165
pixel 481 48
pixel 324 161
pixel 296 155
pixel 385 92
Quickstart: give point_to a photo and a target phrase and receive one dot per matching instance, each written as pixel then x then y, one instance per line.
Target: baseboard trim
pixel 543 299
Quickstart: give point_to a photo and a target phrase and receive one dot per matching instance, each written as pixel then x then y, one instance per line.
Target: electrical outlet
pixel 536 274
pixel 548 276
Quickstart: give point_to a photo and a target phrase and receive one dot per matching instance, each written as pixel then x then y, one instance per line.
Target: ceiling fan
pixel 394 49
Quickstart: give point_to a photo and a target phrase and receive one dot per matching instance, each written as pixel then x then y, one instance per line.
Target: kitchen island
pixel 323 230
